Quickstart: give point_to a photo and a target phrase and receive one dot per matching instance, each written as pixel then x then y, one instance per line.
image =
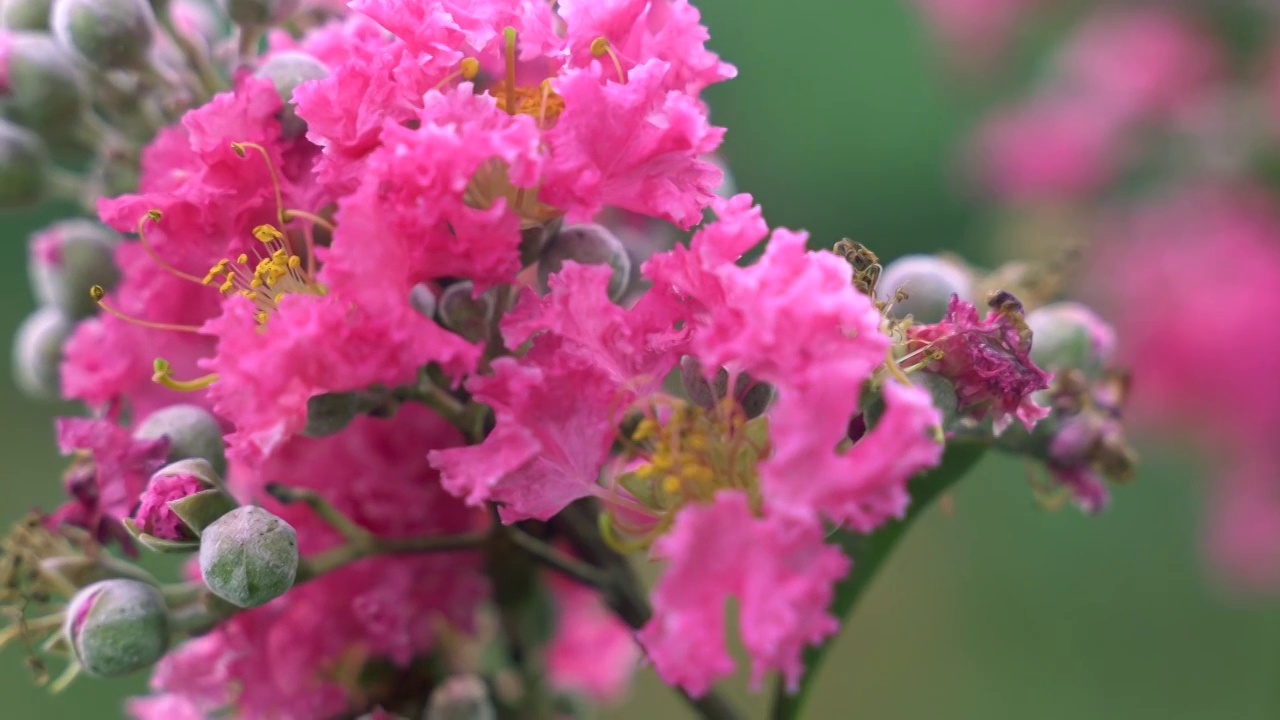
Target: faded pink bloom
pixel 1050 149
pixel 976 30
pixel 988 360
pixel 120 464
pixel 592 652
pixel 274 662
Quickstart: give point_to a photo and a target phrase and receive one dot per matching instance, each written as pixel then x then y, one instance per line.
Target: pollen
pixel 271 273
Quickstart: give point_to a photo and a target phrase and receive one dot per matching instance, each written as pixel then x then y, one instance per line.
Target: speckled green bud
pixel 259 13
pixel 108 34
pixel 25 14
pixel 24 167
pixel 249 557
pixel 117 627
pixel 46 89
pixel 193 432
pixel 69 257
pixel 37 352
pixel 926 284
pixel 589 244
pixel 286 71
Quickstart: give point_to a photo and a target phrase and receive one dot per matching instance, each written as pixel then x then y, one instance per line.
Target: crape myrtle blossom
pixel 735 506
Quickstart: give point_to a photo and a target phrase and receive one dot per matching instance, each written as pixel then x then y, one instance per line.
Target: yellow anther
pixel 295 262
pixel 645 429
pixel 238 148
pixel 97 293
pixel 696 441
pixel 226 287
pixel 267 233
pixel 671 484
pixel 261 316
pixel 470 67
pixel 249 294
pixel 242 259
pixel 163 375
pixel 645 472
pixel 662 460
pixel 600 46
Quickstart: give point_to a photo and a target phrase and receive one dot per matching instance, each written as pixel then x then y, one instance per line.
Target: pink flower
pixel 154 516
pixel 120 465
pixel 592 653
pixel 276 661
pixel 988 360
pixel 1244 521
pixel 1053 149
pixel 976 30
pixel 779 570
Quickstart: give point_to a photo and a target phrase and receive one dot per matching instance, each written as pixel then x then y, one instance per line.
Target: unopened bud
pixel 24 166
pixel 259 13
pixel 286 71
pixel 181 500
pixel 752 395
pixel 109 34
pixel 927 282
pixel 192 431
pixel 589 244
pixel 117 627
pixel 941 391
pixel 69 257
pixel 249 557
pixel 45 90
pixel 461 697
pixel 329 413
pixel 423 299
pixel 1069 335
pixel 465 314
pixel 534 238
pixel 37 352
pixel 25 14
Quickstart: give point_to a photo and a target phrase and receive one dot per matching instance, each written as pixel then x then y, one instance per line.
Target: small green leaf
pixel 868 553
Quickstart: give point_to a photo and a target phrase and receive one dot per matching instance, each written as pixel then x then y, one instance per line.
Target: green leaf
pixel 869 553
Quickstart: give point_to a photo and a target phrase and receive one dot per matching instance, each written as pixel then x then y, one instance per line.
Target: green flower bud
pixel 109 34
pixel 259 13
pixel 24 167
pixel 25 14
pixel 249 557
pixel 46 91
pixel 940 389
pixel 37 352
pixel 193 432
pixel 589 244
pixel 752 395
pixel 928 282
pixel 288 70
pixel 117 627
pixel 461 697
pixel 423 299
pixel 69 257
pixel 465 314
pixel 1069 335
pixel 331 412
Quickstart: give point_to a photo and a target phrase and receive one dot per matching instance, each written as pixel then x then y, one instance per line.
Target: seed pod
pixel 249 557
pixel 589 244
pixel 37 352
pixel 24 167
pixel 108 34
pixel 117 627
pixel 45 90
pixel 928 282
pixel 286 71
pixel 69 257
pixel 193 432
pixel 25 14
pixel 465 314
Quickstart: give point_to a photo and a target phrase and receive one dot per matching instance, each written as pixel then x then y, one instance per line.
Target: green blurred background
pixel 843 122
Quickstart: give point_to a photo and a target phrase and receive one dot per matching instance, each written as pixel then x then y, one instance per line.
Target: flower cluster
pixel 373 335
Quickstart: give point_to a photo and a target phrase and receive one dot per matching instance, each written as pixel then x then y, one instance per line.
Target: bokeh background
pixel 843 121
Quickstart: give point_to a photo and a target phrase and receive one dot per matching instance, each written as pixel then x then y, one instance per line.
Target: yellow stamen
pixel 163 375
pixel 154 216
pixel 240 147
pixel 601 47
pixel 97 293
pixel 467 70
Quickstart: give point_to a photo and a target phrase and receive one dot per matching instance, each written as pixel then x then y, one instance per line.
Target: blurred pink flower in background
pixel 974 30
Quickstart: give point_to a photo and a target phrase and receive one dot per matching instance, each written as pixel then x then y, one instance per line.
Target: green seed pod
pixel 37 352
pixel 117 627
pixel 461 697
pixel 25 14
pixel 108 34
pixel 69 257
pixel 259 13
pixel 249 557
pixel 46 91
pixel 24 167
pixel 465 314
pixel 589 244
pixel 928 283
pixel 193 432
pixel 286 71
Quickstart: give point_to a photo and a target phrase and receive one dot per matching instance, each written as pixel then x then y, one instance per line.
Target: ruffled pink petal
pixel 592 652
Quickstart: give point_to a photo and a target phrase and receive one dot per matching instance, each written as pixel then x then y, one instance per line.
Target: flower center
pixel 678 453
pixel 277 273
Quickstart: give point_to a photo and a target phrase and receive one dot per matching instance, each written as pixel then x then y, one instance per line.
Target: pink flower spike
pixel 592 652
pixel 121 465
pixel 777 567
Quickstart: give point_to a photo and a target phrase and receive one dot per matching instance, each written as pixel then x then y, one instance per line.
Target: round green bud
pixel 423 299
pixel 286 71
pixel 25 14
pixel 752 395
pixel 922 285
pixel 1069 335
pixel 193 432
pixel 249 557
pixel 117 627
pixel 46 90
pixel 24 167
pixel 109 34
pixel 589 244
pixel 259 13
pixel 67 259
pixel 461 697
pixel 462 312
pixel 940 389
pixel 37 352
